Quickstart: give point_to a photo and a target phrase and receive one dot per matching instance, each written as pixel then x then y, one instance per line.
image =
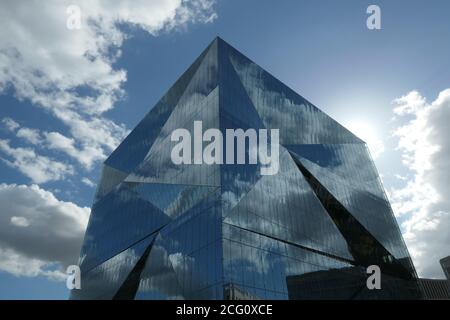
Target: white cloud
pixel 88 182
pixel 38 168
pixel 19 221
pixel 10 124
pixel 400 177
pixel 409 104
pixel 70 73
pixel 423 203
pixel 20 265
pixel 38 232
pixel 31 135
pixel 40 54
pixel 86 155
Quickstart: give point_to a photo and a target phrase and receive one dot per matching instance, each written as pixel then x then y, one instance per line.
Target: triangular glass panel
pixel 279 107
pixel 343 161
pixel 158 166
pixel 285 207
pixel 365 248
pixel 158 278
pixel 137 144
pixel 124 214
pixel 104 280
pixel 110 179
pixel 173 199
pixel 374 213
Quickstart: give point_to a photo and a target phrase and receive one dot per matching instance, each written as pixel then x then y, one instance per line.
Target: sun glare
pixel 366 132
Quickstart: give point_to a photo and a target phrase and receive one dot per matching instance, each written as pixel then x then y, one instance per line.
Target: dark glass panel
pixel 371 210
pixel 104 280
pixel 118 220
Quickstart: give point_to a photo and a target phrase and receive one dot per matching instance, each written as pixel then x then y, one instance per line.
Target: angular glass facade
pixel 224 231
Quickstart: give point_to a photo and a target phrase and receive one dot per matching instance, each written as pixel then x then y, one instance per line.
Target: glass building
pixel 224 231
pixel 445 264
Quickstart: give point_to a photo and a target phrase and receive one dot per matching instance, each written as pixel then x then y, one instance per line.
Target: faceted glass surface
pixel 224 231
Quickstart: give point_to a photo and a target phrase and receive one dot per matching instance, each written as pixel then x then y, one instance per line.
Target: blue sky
pixel 382 84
